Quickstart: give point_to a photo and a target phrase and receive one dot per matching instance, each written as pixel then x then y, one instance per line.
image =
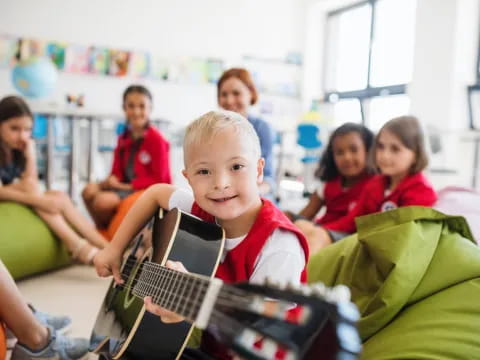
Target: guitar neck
pixel 190 295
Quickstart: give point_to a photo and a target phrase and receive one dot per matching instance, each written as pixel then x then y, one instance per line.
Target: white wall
pixel 225 29
pixel 446 45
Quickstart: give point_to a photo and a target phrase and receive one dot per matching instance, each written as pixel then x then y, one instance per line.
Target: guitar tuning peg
pixel 274 283
pixel 340 293
pixel 319 289
pixel 269 348
pixel 305 289
pixel 291 286
pixel 290 356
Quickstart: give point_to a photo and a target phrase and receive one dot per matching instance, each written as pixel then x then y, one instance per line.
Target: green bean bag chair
pixel 414 274
pixel 27 246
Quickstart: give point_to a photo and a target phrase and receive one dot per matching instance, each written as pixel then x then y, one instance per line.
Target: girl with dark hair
pixel 141 159
pixel 399 154
pixel 19 183
pixel 343 171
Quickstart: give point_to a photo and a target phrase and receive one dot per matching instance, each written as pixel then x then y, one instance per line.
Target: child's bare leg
pixel 88 195
pixel 104 205
pixel 78 221
pixel 317 237
pixel 17 315
pixel 74 243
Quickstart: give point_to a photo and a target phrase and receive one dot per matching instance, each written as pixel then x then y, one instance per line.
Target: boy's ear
pixel 260 166
pixel 185 174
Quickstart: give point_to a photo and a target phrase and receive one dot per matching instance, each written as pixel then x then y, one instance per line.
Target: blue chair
pixel 308 138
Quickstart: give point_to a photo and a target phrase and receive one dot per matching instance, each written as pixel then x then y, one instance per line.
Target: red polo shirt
pixel 151 164
pixel 413 190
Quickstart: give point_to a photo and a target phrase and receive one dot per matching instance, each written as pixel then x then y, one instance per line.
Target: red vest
pixel 339 200
pixel 413 190
pixel 239 263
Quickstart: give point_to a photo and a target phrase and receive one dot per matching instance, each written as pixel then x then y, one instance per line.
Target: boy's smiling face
pixel 224 174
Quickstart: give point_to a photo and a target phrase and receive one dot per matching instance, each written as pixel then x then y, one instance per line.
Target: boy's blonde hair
pixel 207 126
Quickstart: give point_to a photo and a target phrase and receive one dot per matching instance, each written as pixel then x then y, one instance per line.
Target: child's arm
pixel 314 205
pixel 30 173
pixel 37 200
pixel 112 182
pixel 107 262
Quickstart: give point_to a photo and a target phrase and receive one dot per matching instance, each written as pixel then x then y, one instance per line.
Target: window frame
pixel 369 91
pixel 472 89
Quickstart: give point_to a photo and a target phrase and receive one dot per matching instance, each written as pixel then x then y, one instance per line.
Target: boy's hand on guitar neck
pixel 165 315
pixel 107 262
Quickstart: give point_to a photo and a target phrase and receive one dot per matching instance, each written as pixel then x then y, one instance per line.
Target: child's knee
pixel 89 191
pixel 105 202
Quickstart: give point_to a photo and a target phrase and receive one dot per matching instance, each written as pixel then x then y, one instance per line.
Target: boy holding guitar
pixel 224 169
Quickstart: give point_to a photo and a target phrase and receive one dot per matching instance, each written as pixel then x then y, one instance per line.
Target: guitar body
pixel 123 329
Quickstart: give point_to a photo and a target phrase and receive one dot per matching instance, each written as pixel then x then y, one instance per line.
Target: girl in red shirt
pixel 400 156
pixel 141 159
pixel 343 170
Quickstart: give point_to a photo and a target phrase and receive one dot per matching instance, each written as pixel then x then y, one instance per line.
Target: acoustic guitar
pixel 324 328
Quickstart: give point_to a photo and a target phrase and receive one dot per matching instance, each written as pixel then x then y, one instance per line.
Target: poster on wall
pixel 76 59
pixel 139 64
pixel 193 70
pixel 119 62
pixel 159 68
pixel 8 50
pixel 99 61
pixel 30 48
pixel 56 52
pixel 215 68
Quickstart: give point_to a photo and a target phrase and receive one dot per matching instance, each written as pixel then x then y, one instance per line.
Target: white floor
pixel 75 291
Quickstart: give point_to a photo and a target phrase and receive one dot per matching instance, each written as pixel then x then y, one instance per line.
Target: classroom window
pixel 474 97
pixel 347 110
pixel 369 59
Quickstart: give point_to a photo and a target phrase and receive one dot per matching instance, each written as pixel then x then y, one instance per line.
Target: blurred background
pixel 324 62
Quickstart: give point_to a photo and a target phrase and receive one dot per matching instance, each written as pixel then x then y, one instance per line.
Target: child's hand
pixel 29 148
pixel 107 262
pixel 167 316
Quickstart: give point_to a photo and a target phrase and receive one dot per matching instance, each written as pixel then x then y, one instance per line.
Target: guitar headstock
pixel 302 322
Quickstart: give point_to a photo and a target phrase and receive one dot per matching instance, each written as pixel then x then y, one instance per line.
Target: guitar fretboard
pixel 176 291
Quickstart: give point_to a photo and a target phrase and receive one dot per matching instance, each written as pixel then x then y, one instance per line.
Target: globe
pixel 35 78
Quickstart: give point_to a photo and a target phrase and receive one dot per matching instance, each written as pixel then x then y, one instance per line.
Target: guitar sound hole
pixel 135 273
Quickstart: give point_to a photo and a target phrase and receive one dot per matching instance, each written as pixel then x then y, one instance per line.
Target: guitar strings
pixel 229 293
pixel 194 306
pixel 169 295
pixel 233 291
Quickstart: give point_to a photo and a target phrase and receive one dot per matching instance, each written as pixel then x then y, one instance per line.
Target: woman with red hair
pixel 236 92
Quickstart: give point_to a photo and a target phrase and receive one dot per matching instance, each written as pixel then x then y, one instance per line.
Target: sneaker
pixel 61 324
pixel 59 348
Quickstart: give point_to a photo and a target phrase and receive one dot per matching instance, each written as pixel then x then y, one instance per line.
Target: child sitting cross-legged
pixel 224 169
pixel 399 154
pixel 343 171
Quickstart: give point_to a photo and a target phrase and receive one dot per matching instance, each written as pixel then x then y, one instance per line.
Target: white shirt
pixel 282 258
